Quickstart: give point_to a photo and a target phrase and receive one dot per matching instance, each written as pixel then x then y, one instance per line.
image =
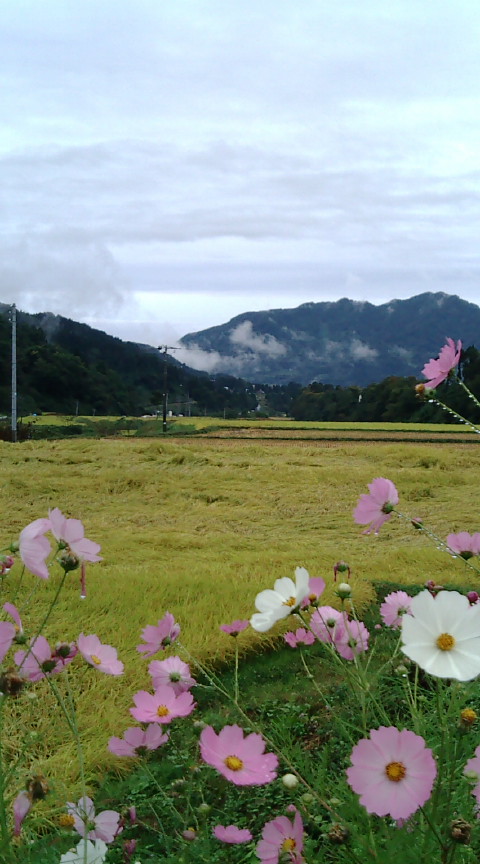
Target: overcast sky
pixel 168 164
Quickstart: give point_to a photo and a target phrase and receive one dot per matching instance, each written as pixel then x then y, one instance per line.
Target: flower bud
pixel 68 561
pixel 341 567
pixel 467 717
pixel 338 834
pixel 460 831
pixel 473 598
pixel 204 808
pixel 290 781
pixel 307 798
pixel 189 834
pixel 343 591
pixel 420 390
pixel 417 523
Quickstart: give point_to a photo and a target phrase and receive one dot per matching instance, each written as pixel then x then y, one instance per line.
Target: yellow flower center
pixel 468 716
pixel 162 711
pixel 290 602
pixel 96 660
pixel 66 821
pixel 234 763
pixel 395 771
pixel 445 642
pixel 288 844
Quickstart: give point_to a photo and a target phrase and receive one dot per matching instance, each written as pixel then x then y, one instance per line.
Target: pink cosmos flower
pixel 162 706
pixel 473 767
pixel 316 587
pixel 241 760
pixel 135 740
pixel 394 606
pixel 71 532
pixel 21 806
pixel 301 636
pixel 351 639
pixel 172 671
pixel 160 636
pixel 38 661
pixel 102 657
pixel 232 834
pixel 106 826
pixel 464 544
pixel 235 627
pixel 438 370
pixel 282 840
pixel 9 631
pixel 376 508
pixel 392 771
pixel 34 547
pixel 325 622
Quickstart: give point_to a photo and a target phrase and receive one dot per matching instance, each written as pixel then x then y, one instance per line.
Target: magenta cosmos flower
pixel 392 771
pixel 235 627
pixel 464 544
pixel 34 547
pixel 38 661
pixel 242 760
pixel 394 607
pixel 300 637
pixel 159 636
pixel 438 370
pixel 316 587
pixel 162 706
pixel 137 741
pixel 376 508
pixel 232 834
pixel 21 807
pixel 102 657
pixel 71 533
pixel 105 826
pixel 350 638
pixel 282 840
pixel 172 671
pixel 325 622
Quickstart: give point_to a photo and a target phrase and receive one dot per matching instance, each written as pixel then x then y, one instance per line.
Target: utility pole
pixel 164 349
pixel 14 372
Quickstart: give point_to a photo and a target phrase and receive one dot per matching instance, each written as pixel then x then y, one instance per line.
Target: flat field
pixel 197 527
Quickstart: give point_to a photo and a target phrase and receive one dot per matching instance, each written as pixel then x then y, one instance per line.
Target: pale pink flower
pixel 9 631
pixel 351 639
pixel 71 533
pixel 21 806
pixel 392 771
pixel 464 544
pixel 325 622
pixel 473 767
pixel 136 741
pixel 395 605
pixel 232 834
pixel 235 627
pixel 242 760
pixel 159 636
pixel 102 657
pixel 300 637
pixel 282 840
pixel 64 653
pixel 316 587
pixel 162 706
pixel 438 370
pixel 34 547
pixel 172 671
pixel 37 662
pixel 376 508
pixel 104 826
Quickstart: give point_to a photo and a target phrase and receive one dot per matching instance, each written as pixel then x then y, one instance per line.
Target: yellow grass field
pixel 197 527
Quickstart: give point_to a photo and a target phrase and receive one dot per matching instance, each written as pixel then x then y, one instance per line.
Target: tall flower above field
pixel 38 661
pixel 103 826
pixel 395 605
pixel 101 657
pixel 242 760
pixel 159 636
pixel 34 547
pixel 285 598
pixel 376 508
pixel 232 834
pixel 438 370
pixel 71 533
pixel 392 771
pixel 162 706
pixel 442 635
pixel 464 544
pixel 172 671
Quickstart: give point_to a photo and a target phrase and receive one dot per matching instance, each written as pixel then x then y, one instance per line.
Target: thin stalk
pixel 4 832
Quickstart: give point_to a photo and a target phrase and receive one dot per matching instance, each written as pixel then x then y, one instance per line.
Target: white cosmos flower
pixel 96 853
pixel 442 635
pixel 286 596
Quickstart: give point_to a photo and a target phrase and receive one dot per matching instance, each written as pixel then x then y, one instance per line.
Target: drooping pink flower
pixel 64 653
pixel 395 605
pixel 162 706
pixel 316 587
pixel 235 627
pixel 104 826
pixel 392 771
pixel 464 544
pixel 300 637
pixel 34 547
pixel 232 834
pixel 135 741
pixel 172 671
pixel 37 662
pixel 282 840
pixel 242 760
pixel 376 508
pixel 325 622
pixel 159 636
pixel 438 370
pixel 351 639
pixel 72 533
pixel 9 631
pixel 102 657
pixel 473 768
pixel 21 806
